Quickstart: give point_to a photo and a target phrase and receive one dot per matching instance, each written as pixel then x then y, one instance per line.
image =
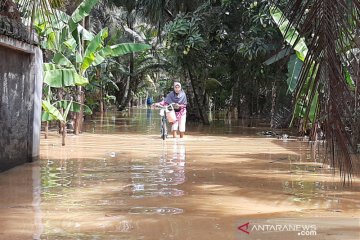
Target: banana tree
pixel 76 50
pixel 96 53
pixel 101 82
pixel 306 96
pixel 52 113
pixel 61 79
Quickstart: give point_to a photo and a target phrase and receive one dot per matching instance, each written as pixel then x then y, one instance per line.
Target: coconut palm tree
pixel 330 32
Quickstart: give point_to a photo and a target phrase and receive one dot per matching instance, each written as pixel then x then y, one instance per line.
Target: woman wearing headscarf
pixel 178 97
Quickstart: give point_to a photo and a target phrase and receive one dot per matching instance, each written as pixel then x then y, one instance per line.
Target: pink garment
pixel 178 114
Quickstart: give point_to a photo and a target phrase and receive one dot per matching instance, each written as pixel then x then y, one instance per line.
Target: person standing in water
pixel 178 97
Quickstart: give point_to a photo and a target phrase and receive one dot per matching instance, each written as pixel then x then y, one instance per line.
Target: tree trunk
pixel 127 96
pixel 237 102
pixel 129 84
pixel 63 125
pixel 80 94
pixel 101 104
pixel 235 108
pixel 121 83
pixel 101 100
pixel 61 97
pixel 79 115
pixel 124 97
pixel 189 92
pixel 197 95
pixel 273 105
pixel 46 129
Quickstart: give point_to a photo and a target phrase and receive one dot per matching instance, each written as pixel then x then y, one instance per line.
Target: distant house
pixel 20 90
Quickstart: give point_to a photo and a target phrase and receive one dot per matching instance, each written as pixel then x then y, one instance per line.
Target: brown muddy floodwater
pixel 119 180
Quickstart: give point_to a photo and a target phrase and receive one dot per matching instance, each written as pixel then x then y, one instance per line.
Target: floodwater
pixel 119 180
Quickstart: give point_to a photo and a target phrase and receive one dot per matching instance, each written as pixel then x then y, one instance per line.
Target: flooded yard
pixel 119 180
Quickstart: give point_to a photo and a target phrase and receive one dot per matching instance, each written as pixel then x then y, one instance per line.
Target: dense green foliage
pixel 287 61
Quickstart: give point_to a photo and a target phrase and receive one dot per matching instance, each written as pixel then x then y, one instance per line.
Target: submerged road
pixel 119 180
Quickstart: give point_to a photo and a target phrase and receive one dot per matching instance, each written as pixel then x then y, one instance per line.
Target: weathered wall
pixel 16 108
pixel 20 102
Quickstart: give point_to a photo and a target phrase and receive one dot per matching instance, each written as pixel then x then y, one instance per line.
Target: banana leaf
pixel 83 10
pixel 67 110
pixel 294 69
pixel 95 44
pixel 46 117
pixel 122 49
pixel 60 59
pixel 52 111
pixel 278 56
pixel 80 12
pixel 74 106
pixel 57 76
pixel 290 33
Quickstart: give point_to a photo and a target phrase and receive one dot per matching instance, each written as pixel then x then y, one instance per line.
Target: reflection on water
pixel 303 191
pixel 119 180
pixel 147 121
pixel 162 179
pixel 148 177
pixel 155 210
pixel 20 199
pixel 109 184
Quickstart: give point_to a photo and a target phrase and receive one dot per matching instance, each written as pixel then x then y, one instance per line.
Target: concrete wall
pixel 20 102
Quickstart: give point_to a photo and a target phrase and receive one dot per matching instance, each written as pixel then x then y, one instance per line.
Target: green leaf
pixel 294 69
pixel 80 81
pixel 313 108
pixel 301 107
pixel 46 117
pixel 53 111
pixel 86 35
pixel 303 99
pixel 78 58
pixel 87 61
pixel 98 59
pixel 71 44
pixel 122 49
pixel 350 82
pixel 67 110
pixel 83 10
pixel 95 44
pixel 60 59
pixel 74 106
pixel 112 83
pixel 289 32
pixel 277 57
pixel 51 41
pixel 58 77
pixel 72 25
pixel 97 41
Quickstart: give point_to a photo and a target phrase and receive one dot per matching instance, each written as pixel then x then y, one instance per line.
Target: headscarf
pixel 173 97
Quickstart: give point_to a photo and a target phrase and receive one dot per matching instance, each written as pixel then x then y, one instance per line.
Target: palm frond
pixel 41 10
pixel 329 28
